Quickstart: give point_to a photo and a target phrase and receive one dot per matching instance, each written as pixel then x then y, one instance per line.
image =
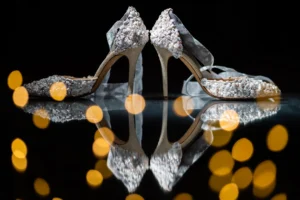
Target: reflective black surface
pixel 62 153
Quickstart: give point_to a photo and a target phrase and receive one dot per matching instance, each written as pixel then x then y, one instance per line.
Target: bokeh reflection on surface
pixel 180 149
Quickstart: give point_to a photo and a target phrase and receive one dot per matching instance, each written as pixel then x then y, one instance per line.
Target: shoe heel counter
pixel 132 33
pixel 164 34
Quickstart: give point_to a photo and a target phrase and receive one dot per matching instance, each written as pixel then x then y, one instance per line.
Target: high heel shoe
pixel 171 38
pixel 127 38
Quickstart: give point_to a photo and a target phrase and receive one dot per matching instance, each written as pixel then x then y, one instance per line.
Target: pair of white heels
pixel 169 36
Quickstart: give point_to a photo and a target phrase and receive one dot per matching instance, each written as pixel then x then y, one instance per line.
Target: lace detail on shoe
pixel 242 87
pixel 164 34
pixel 132 32
pixel 75 87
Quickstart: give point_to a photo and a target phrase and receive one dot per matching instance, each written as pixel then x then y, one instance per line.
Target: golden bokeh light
pixel 135 104
pixel 41 187
pixel 242 150
pixel 229 192
pixel 19 148
pixel 221 138
pixel 58 91
pixel 20 164
pixel 107 134
pixel 183 196
pixel 100 147
pixel 264 192
pixel 14 79
pixel 57 198
pixel 277 138
pixel 242 177
pixel 20 96
pixel 101 166
pixel 134 197
pixel 280 196
pixel 216 183
pixel 41 118
pixel 264 174
pixel 94 114
pixel 94 178
pixel 229 120
pixel 221 163
pixel 183 106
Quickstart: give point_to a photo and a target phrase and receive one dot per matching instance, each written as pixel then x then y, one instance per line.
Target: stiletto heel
pixel 127 37
pixel 164 56
pixel 132 56
pixel 169 34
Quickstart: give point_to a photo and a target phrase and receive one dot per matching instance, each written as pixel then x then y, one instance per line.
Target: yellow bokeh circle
pixel 135 104
pixel 183 106
pixel 242 150
pixel 94 178
pixel 221 163
pixel 134 197
pixel 58 91
pixel 242 177
pixel 20 96
pixel 183 196
pixel 15 79
pixel 20 164
pixel 229 192
pixel 277 138
pixel 19 148
pixel 229 120
pixel 100 147
pixel 40 119
pixel 280 196
pixel 94 114
pixel 264 174
pixel 41 187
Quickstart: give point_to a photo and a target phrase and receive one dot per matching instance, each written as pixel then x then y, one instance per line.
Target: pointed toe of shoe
pixel 74 86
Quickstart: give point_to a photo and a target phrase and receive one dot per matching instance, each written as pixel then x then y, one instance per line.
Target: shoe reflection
pixel 126 160
pixel 170 161
pixel 59 112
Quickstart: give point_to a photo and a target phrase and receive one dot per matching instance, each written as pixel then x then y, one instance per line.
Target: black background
pixel 70 39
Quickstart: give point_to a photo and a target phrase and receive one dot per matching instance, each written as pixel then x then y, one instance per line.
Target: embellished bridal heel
pixel 171 38
pixel 127 38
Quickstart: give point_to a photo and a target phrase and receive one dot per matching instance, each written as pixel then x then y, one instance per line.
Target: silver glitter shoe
pixel 165 163
pixel 127 160
pixel 170 38
pixel 127 38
